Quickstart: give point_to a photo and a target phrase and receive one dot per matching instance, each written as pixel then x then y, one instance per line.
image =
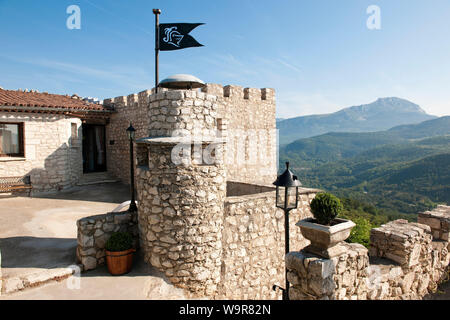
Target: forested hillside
pixel 397 171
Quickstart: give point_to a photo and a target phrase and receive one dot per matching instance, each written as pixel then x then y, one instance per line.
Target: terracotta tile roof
pixel 47 100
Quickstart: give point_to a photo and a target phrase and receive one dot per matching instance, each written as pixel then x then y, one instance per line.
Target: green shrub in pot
pixel 325 207
pixel 119 241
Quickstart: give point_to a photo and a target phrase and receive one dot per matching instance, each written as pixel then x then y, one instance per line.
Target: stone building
pixel 55 139
pixel 41 138
pixel 205 162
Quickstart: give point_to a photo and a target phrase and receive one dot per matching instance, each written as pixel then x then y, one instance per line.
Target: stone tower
pixel 181 199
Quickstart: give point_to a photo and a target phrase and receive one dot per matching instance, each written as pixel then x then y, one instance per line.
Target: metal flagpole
pixel 157 12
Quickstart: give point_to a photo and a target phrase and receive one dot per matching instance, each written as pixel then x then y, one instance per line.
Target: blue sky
pixel 319 55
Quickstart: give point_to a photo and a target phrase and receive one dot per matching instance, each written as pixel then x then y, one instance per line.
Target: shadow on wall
pixel 62 169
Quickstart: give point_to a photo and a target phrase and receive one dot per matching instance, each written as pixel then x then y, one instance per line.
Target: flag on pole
pixel 175 36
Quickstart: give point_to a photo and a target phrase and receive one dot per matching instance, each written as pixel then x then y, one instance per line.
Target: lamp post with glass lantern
pixel 131 133
pixel 287 199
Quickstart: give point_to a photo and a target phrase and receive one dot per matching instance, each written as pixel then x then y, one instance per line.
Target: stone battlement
pixel 228 91
pixel 233 91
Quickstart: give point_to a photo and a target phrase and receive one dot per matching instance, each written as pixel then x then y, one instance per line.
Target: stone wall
pixel 134 109
pixel 246 117
pixel 53 156
pixel 253 242
pixel 438 220
pixel 94 231
pixel 405 263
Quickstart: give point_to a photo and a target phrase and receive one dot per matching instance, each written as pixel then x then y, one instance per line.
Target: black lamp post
pixel 287 199
pixel 131 132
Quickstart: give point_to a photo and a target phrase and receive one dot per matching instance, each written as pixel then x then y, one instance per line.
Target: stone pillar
pixel 340 278
pixel 181 207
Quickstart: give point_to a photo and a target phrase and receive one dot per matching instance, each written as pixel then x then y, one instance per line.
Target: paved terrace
pixel 38 237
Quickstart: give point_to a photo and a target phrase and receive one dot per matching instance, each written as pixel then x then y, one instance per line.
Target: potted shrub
pixel 325 230
pixel 119 253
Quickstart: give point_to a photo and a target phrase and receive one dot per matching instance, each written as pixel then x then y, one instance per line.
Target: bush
pixel 325 207
pixel 119 241
pixel 361 232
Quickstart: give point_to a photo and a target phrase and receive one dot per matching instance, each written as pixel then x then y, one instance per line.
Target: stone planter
pixel 325 239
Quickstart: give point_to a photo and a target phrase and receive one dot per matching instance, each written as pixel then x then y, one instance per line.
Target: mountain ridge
pixel 335 146
pixel 382 114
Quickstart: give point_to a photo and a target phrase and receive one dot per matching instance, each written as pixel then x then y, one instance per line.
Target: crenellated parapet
pixel 238 92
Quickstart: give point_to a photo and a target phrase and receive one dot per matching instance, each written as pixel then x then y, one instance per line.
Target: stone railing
pixel 405 263
pixel 94 231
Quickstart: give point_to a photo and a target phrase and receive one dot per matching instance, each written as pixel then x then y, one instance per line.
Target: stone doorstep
pixel 96 182
pixel 15 284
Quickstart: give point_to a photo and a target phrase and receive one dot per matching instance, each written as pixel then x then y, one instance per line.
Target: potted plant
pixel 119 253
pixel 325 230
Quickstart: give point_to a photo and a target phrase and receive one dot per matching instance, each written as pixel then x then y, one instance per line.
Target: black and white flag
pixel 175 36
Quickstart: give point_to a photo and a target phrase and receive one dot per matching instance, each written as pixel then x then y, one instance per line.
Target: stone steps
pixel 96 178
pixel 14 284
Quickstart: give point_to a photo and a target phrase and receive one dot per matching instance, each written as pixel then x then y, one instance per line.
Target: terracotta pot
pixel 119 262
pixel 325 238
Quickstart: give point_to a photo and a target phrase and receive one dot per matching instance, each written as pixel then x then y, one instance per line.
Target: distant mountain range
pixel 335 146
pixel 402 170
pixel 382 114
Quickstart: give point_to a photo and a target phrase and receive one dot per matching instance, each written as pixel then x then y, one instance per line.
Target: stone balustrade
pixel 403 263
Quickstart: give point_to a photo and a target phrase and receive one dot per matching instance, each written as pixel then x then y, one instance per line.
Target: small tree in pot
pixel 326 207
pixel 325 230
pixel 119 253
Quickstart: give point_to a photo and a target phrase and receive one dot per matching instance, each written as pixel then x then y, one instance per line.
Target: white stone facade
pixel 53 156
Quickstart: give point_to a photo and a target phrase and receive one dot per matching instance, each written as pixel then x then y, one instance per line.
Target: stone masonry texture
pixel 180 220
pixel 94 231
pixel 253 242
pixel 402 263
pixel 248 121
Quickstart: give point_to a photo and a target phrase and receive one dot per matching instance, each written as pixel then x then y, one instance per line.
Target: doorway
pixel 94 148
